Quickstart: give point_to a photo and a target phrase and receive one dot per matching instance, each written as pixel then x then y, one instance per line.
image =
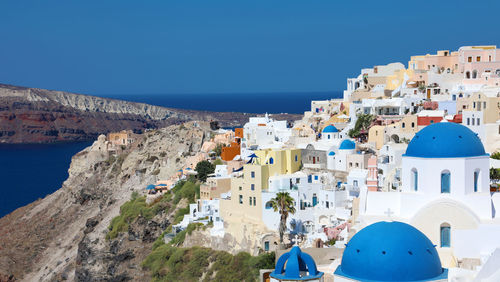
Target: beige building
pixel 124 137
pixel 214 187
pixel 397 132
pixel 488 104
pixel 357 161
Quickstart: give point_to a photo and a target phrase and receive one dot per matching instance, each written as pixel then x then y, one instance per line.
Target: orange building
pixel 238 132
pixel 228 153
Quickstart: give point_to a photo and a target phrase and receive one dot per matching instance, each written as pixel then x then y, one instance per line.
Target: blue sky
pixel 131 47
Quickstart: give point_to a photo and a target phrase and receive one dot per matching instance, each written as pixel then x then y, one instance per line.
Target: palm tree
pixel 283 203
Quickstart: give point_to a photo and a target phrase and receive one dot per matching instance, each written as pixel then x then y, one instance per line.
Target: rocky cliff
pixel 32 115
pixel 62 237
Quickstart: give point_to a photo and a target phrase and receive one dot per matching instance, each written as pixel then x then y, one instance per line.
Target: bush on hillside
pixel 129 212
pixel 168 263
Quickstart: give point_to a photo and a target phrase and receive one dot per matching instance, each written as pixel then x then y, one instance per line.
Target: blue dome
pixel 330 129
pixel 347 145
pixel 391 251
pixel 445 140
pixel 332 153
pixel 296 262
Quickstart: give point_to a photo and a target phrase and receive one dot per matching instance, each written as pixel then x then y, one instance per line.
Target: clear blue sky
pixel 100 47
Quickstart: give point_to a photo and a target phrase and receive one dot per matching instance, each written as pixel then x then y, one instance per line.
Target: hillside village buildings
pixel 423 160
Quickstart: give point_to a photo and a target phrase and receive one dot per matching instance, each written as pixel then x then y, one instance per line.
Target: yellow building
pixel 376 135
pixel 397 78
pixel 245 204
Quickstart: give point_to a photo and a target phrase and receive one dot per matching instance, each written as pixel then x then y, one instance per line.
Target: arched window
pixel 271 160
pixel 467 75
pixel 328 136
pixel 476 179
pixel 445 232
pixel 445 181
pixel 474 74
pixel 414 179
pixel 269 205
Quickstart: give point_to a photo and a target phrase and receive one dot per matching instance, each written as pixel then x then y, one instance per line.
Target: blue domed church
pixel 390 251
pixel 445 194
pixel 296 265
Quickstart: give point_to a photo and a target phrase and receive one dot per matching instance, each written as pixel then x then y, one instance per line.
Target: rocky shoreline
pixel 32 115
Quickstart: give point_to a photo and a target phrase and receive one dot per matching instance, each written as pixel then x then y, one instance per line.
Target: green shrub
pixel 218 162
pixel 168 263
pixel 128 213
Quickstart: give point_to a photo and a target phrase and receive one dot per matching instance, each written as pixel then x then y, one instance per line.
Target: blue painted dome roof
pixel 445 140
pixel 296 262
pixel 347 145
pixel 391 251
pixel 332 153
pixel 330 129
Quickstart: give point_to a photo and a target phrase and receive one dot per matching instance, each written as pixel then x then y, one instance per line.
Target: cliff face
pixel 32 115
pixel 62 237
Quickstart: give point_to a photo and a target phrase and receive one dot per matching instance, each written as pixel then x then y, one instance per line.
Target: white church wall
pixel 378 203
pixel 474 243
pixel 482 165
pixel 429 174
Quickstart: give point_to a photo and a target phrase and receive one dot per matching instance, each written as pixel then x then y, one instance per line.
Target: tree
pixel 283 203
pixel 218 149
pixel 362 124
pixel 422 88
pixel 204 168
pixel 495 155
pixel 494 175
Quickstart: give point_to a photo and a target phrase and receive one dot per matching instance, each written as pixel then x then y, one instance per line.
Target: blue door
pixel 445 236
pixel 445 182
pixel 266 246
pixel 315 200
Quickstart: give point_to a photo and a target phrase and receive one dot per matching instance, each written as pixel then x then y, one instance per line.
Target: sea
pixel 32 171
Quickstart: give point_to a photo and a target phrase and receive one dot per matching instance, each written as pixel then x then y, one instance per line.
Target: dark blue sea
pixel 29 172
pixel 32 171
pixel 292 103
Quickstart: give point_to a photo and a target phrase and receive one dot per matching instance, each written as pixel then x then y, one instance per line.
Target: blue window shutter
pixel 445 182
pixel 445 237
pixel 415 180
pixel 476 178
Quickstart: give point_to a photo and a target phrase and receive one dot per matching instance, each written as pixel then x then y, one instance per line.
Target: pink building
pixel 372 179
pixel 444 60
pixel 480 64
